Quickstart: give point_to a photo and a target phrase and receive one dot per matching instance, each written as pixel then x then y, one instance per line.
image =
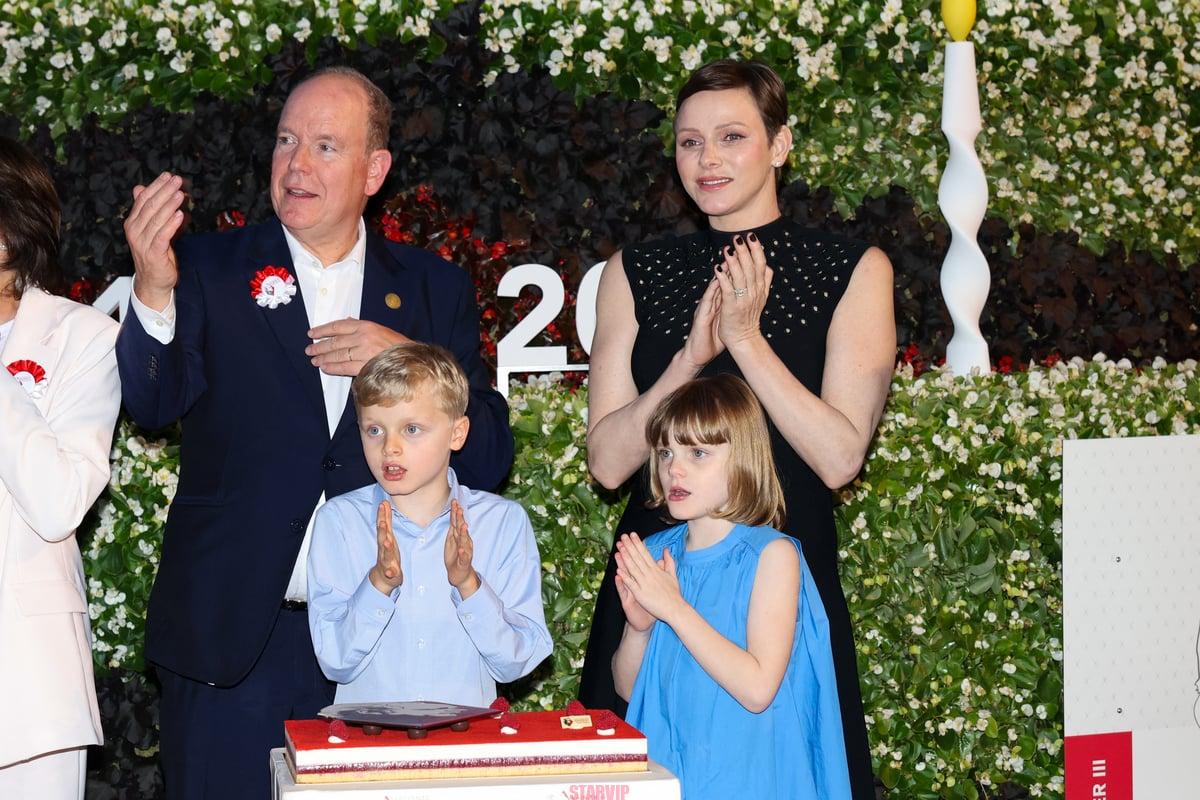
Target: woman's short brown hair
pixel 30 219
pixel 763 83
pixel 396 374
pixel 719 410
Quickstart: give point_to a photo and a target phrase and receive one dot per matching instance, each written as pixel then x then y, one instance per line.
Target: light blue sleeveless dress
pixel 794 749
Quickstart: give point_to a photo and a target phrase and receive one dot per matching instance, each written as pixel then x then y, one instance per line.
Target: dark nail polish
pixel 720 268
pixel 737 240
pixel 752 238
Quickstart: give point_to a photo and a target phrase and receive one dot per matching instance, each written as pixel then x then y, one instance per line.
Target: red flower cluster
pixel 83 291
pixel 419 219
pixel 912 356
pixel 1005 365
pixel 230 219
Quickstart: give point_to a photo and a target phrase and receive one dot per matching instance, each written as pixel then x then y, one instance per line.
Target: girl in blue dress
pixel 725 657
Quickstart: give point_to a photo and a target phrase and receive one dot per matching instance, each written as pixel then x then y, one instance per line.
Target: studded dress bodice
pixel 811 270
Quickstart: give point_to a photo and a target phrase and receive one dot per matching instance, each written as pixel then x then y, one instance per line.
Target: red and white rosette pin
pixel 273 287
pixel 31 375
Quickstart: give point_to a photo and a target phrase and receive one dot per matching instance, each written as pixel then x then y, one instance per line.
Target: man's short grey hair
pixel 379 107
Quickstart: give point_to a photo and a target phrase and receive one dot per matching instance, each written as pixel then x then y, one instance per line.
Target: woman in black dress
pixel 804 317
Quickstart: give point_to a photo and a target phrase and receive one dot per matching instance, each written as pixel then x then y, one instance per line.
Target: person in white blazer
pixel 59 398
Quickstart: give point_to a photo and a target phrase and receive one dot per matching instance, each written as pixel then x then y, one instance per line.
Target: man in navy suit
pixel 252 337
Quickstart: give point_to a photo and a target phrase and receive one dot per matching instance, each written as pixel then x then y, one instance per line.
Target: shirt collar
pixel 456 493
pixel 301 257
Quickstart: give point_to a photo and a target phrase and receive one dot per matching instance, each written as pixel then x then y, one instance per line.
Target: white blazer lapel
pixel 28 354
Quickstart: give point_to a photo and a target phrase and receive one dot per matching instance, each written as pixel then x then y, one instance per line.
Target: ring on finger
pixel 739 292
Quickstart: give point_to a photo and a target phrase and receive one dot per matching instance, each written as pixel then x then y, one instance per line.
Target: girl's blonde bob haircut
pixel 722 410
pixel 398 373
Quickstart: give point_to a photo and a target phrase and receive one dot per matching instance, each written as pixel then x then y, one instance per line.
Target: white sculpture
pixel 962 196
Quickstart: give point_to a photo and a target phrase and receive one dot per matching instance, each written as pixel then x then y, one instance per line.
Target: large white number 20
pixel 514 353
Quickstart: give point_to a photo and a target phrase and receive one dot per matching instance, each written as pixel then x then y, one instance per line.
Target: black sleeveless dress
pixel 667 278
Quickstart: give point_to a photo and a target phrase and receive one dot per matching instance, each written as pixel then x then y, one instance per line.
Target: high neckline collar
pixel 761 231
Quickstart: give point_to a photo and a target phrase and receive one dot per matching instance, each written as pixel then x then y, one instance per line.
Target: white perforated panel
pixel 1131 592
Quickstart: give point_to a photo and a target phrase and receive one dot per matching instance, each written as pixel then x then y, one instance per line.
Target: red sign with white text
pixel 1099 766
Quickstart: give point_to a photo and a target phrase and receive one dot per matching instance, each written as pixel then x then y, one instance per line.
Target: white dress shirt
pixel 329 293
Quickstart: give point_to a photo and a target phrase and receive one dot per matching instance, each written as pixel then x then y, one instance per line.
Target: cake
pixel 509 744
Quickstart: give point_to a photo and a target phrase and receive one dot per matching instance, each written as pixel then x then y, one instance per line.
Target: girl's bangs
pixel 692 426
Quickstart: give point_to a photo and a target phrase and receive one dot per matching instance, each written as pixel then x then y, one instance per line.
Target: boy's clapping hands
pixel 386 575
pixel 459 551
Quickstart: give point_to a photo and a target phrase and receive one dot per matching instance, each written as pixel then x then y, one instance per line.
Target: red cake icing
pixel 540 746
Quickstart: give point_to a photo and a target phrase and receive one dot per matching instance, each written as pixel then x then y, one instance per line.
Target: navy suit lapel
pixel 384 279
pixel 288 322
pixel 384 276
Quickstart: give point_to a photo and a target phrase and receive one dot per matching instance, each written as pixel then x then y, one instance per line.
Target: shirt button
pixel 468 616
pixel 324 292
pixel 159 323
pixel 420 590
pixel 421 540
pixel 329 464
pixel 297 525
pixel 420 644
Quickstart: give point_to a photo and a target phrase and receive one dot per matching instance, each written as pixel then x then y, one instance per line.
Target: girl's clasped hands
pixel 649 589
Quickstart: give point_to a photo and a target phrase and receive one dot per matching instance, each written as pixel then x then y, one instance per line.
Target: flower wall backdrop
pixel 951 554
pixel 1088 109
pixel 538 132
pixel 565 182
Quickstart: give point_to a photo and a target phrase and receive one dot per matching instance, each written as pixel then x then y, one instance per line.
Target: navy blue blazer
pixel 256 452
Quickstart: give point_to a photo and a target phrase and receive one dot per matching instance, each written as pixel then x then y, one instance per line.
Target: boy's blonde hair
pixel 719 410
pixel 396 374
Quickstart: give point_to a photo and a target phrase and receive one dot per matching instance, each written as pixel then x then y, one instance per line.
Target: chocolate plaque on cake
pixel 418 715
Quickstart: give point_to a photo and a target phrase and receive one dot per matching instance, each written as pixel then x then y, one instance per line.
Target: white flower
pixel 166 41
pixel 273 33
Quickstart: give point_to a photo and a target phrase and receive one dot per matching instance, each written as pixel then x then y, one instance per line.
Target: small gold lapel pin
pixel 392 300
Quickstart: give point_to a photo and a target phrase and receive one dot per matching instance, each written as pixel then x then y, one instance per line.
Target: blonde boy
pixel 404 603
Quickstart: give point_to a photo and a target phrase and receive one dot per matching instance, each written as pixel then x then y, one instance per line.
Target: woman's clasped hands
pixel 649 589
pixel 730 310
pixel 745 281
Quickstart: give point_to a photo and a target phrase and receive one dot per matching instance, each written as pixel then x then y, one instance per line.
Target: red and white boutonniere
pixel 273 287
pixel 31 375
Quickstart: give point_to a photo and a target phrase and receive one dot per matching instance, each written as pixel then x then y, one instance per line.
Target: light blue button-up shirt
pixel 424 641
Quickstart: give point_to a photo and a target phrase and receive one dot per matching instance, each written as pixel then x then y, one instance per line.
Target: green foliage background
pixel 951 539
pixel 951 549
pixel 1089 108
